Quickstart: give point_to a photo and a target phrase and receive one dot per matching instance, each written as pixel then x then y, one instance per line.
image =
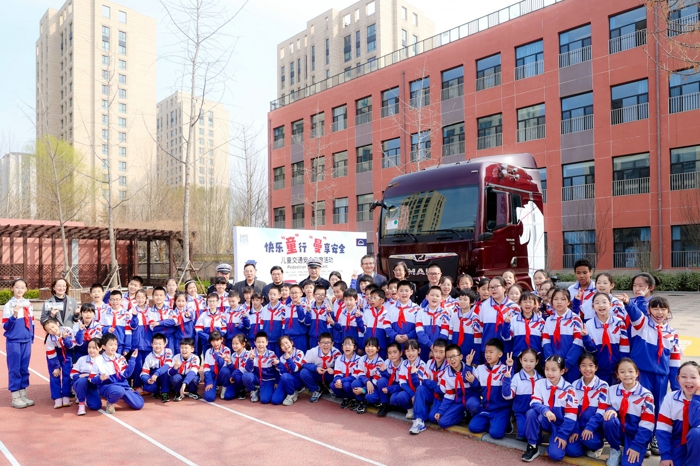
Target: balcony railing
pixel 628 41
pixel 321 221
pixel 421 99
pixel 681 181
pixel 576 193
pixel 278 143
pixel 364 215
pixel 363 118
pixel 487 142
pixel 389 161
pixel 570 259
pixel 279 223
pixel 278 184
pixel 339 125
pixel 297 180
pixel 491 80
pixel 531 133
pixel 630 187
pixel 317 132
pixel 577 124
pixel 685 259
pixel 631 260
pixel 684 103
pixel 529 70
pixel 340 171
pixel 297 138
pixel 421 154
pixel 363 167
pixel 574 57
pixel 298 223
pixel 390 110
pixel 452 92
pixel 453 148
pixel 682 25
pixel 629 114
pixel 340 218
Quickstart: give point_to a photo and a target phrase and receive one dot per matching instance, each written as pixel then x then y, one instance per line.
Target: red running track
pixel 226 432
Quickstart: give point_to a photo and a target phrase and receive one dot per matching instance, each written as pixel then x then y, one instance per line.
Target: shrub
pixel 6 295
pixel 670 281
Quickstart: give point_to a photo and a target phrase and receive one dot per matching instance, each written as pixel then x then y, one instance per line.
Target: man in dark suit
pixel 249 272
pixel 368 264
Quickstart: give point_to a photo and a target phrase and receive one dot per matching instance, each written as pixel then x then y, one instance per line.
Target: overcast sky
pixel 260 26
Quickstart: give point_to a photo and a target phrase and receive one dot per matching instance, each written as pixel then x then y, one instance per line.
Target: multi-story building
pixel 337 45
pixel 17 186
pixel 211 141
pixel 580 84
pixel 96 87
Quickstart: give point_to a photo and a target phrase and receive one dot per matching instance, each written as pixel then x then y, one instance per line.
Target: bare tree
pixel 201 26
pixel 674 33
pixel 249 184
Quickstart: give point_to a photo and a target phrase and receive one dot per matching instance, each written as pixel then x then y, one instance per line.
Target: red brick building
pixel 575 83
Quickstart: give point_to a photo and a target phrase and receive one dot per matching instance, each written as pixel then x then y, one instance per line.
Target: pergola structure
pixel 40 271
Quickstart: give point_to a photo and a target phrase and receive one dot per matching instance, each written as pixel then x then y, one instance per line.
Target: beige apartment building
pixel 96 88
pixel 338 42
pixel 211 141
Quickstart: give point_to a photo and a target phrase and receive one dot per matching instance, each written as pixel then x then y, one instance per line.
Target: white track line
pixel 13 461
pixel 113 418
pixel 303 437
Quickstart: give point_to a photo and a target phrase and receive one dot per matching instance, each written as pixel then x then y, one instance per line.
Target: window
pixel 122 64
pixel 453 139
pixel 370 8
pixel 340 164
pixel 363 111
pixel 105 89
pixel 328 51
pixel 278 178
pixel 577 245
pixel 318 169
pixel 531 123
pixel 453 83
pixel 122 180
pixel 122 137
pixel 105 60
pixel 122 93
pixel 105 11
pixel 630 102
pixel 105 104
pixel 347 47
pixel 543 182
pixel 279 217
pixel 575 46
pixel 490 132
pixel 578 180
pixel 298 132
pixel 105 134
pixel 105 75
pixel 105 45
pixel 340 210
pixel 340 115
pixel 371 37
pixel 122 108
pixel 685 167
pixel 358 50
pixel 631 248
pixel 420 93
pixel 628 30
pixel 317 125
pixel 105 33
pixel 313 60
pixel 347 20
pixel 122 79
pixel 291 72
pixel 105 120
pixel 318 213
pixel 420 146
pixel 122 152
pixel 105 149
pixel 684 248
pixel 122 166
pixel 404 38
pixel 577 113
pixel 298 216
pixel 682 17
pixel 684 91
pixel 529 60
pixel 631 175
pixel 364 213
pixel 415 19
pixel 488 72
pixel 297 174
pixel 404 13
pixel 278 137
pixel 122 17
pixel 390 102
pixel 364 159
pixel 391 153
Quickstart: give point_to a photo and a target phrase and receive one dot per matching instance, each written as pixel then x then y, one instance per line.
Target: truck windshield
pixel 449 210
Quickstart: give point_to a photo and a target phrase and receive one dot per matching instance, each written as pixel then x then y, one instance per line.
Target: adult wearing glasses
pixel 434 273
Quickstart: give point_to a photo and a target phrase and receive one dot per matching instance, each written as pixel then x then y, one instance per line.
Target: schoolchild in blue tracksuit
pixel 119 322
pixel 553 408
pixel 524 329
pixel 402 316
pixel 412 372
pixel 337 309
pixel 520 386
pixel 678 424
pixel 162 318
pixel 155 374
pixel 495 409
pixel 273 317
pixel 432 322
pixel 18 323
pixel 110 372
pixel 605 336
pixel 465 327
pixel 562 334
pixel 237 321
pixel 317 366
pixel 212 320
pixel 195 302
pixel 261 372
pixel 388 383
pixel 592 396
pixel 350 322
pixel 300 316
pixel 59 358
pixel 184 373
pixel 184 320
pixel 493 310
pixel 85 391
pixel 366 375
pixel 239 355
pixel 141 335
pixel 605 283
pixel 216 367
pixel 628 422
pixel 90 326
pixel 343 374
pixel 581 293
pixel 375 319
pixel 255 315
pixel 290 364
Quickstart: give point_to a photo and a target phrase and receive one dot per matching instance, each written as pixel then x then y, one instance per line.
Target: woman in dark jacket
pixel 60 306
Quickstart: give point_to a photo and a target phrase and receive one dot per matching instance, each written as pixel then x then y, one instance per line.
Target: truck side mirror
pixel 485 236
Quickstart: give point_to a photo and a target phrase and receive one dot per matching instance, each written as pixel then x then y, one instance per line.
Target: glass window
pixel 631 167
pixel 578 178
pixel 122 137
pixel 371 37
pixel 105 60
pixel 685 160
pixel 122 79
pixel 105 45
pixel 297 174
pixel 370 8
pixel 122 64
pixel 404 38
pixel 105 89
pixel 543 182
pixel 318 169
pixel 122 122
pixel 122 166
pixel 575 39
pixel 404 13
pixel 291 72
pixel 631 247
pixel 122 108
pixel 317 125
pixel 105 104
pixel 531 123
pixel 298 216
pixel 626 29
pixel 682 16
pixel 122 17
pixel 122 179
pixel 529 60
pixel 629 102
pixel 340 115
pixel 122 152
pixel 347 47
pixel 574 109
pixel 488 72
pixel 105 11
pixel 684 88
pixel 453 83
pixel 358 51
pixel 313 60
pixel 489 131
pixel 340 210
pixel 390 102
pixel 278 137
pixel 578 244
pixel 318 213
pixel 364 159
pixel 363 110
pixel 420 92
pixel 105 74
pixel 279 217
pixel 685 250
pixel 105 33
pixel 278 174
pixel 420 146
pixel 453 139
pixel 391 153
pixel 297 132
pixel 328 51
pixel 340 164
pixel 364 214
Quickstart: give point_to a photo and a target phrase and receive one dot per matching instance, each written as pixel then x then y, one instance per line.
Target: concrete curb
pixel 505 442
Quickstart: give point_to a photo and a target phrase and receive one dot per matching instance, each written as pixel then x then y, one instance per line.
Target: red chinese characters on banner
pixel 318 245
pixel 291 245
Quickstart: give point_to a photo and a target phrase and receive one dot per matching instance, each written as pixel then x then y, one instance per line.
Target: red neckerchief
pixel 161 359
pixel 216 363
pixel 462 320
pixel 114 320
pixel 606 340
pixel 557 332
pixel 59 340
pixel 402 317
pixel 624 406
pixel 348 367
pixel 341 306
pixel 410 377
pixel 181 319
pixel 196 306
pixel 585 403
pixel 117 368
pixel 325 359
pixel 212 320
pixel 349 316
pixel 317 312
pixel 527 328
pixel 499 313
pixel 488 382
pixel 273 313
pixel 370 366
pixel 171 303
pixel 376 317
pixel 686 421
pixel 257 319
pixel 393 373
pixel 27 319
pixel 552 396
pixel 532 381
pixel 459 383
pixel 660 342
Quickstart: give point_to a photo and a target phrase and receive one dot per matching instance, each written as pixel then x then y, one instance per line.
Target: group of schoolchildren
pixel 580 364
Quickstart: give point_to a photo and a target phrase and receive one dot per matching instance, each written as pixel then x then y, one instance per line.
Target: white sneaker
pixel 409 414
pixel 614 459
pixel 254 396
pixel 295 396
pixel 289 400
pixel 417 427
pixel 81 409
pixel 23 395
pixel 223 392
pixel 66 402
pixel 58 403
pixel 594 454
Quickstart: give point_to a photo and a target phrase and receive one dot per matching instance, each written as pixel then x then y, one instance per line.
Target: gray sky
pixel 260 26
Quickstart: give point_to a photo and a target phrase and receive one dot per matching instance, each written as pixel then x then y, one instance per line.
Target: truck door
pixel 500 250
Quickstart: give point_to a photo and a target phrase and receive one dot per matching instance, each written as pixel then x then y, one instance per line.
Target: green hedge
pixel 5 295
pixel 674 281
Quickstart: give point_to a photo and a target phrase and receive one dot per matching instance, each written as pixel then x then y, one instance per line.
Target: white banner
pixel 291 249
